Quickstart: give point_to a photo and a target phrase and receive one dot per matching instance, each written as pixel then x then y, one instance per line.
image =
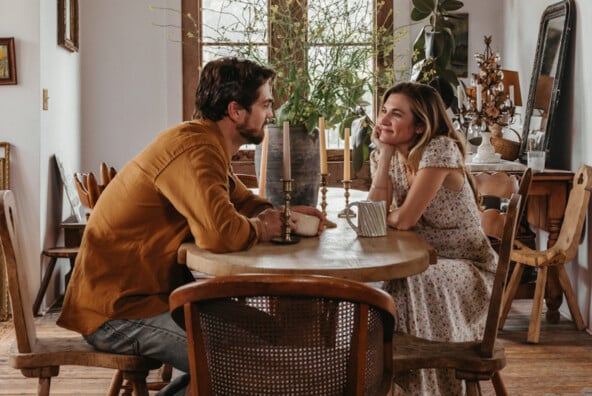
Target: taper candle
pixel 323 145
pixel 479 98
pixel 459 96
pixel 346 161
pixel 263 164
pixel 287 162
pixel 511 89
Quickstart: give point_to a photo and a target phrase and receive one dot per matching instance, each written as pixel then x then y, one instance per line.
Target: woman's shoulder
pixel 441 151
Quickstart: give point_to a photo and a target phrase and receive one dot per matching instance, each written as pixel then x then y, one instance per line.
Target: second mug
pixel 371 218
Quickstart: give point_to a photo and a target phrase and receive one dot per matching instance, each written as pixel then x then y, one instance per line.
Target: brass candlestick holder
pixel 328 223
pixel 346 212
pixel 287 237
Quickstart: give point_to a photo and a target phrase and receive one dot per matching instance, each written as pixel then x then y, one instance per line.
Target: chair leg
pixel 498 384
pixel 116 383
pixel 138 381
pixel 534 327
pixel 43 386
pixel 570 296
pixel 44 283
pixel 510 293
pixel 166 372
pixel 473 388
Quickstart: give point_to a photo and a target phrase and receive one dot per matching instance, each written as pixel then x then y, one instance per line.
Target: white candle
pixel 511 89
pixel 287 161
pixel 479 98
pixel 459 95
pixel 263 164
pixel 346 164
pixel 323 146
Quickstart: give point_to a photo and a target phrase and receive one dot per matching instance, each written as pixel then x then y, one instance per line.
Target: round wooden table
pixel 338 252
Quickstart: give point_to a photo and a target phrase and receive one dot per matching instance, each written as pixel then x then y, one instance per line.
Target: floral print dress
pixel 449 301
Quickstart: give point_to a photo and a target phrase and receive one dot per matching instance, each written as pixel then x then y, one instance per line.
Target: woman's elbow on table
pixel 398 220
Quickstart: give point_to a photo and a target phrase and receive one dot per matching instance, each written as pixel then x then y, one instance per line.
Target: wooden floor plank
pixel 561 364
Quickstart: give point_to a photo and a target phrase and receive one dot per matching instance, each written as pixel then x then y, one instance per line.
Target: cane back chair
pixel 276 334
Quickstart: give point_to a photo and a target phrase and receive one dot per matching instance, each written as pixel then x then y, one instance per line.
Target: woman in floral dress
pixel 419 167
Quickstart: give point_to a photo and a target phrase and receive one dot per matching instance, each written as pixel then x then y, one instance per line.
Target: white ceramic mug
pixel 371 218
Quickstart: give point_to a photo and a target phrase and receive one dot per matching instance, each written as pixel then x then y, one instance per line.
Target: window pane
pixel 212 52
pixel 232 20
pixel 357 27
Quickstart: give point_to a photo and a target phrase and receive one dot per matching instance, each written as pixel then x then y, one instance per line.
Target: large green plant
pixel 324 64
pixel 434 46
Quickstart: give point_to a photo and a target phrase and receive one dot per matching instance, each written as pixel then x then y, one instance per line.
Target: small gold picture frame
pixel 7 61
pixel 68 24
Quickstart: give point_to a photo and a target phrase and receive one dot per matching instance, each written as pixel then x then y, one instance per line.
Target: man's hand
pixel 270 223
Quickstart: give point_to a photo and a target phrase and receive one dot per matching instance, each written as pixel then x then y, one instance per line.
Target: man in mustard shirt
pixel 179 187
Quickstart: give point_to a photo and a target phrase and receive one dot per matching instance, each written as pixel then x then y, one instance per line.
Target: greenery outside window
pixel 228 25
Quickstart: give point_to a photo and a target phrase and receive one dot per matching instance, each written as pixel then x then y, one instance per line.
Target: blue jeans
pixel 158 337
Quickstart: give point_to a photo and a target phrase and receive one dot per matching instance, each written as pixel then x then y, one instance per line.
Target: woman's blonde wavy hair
pixel 429 112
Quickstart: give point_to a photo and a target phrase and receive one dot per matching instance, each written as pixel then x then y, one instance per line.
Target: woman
pixel 419 168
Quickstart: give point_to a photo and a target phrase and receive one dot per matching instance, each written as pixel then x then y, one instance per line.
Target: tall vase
pixel 305 164
pixel 486 151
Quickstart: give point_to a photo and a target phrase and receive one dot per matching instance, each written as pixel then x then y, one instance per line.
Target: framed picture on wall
pixel 68 24
pixel 460 29
pixel 7 61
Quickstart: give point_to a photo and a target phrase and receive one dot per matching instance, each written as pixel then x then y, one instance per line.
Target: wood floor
pixel 561 364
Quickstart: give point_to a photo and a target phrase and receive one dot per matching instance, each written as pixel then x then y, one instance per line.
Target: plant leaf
pixel 424 6
pixel 452 5
pixel 418 15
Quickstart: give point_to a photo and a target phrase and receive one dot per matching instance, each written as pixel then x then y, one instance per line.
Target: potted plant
pixel 324 68
pixel 434 46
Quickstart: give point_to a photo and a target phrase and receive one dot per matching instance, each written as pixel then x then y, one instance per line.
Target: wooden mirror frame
pixel 563 9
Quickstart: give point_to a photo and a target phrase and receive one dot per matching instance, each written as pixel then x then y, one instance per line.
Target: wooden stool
pixel 54 254
pixel 72 237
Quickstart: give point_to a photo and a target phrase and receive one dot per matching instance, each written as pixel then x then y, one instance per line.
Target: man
pixel 179 187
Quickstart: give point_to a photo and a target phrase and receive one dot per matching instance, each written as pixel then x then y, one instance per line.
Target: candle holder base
pixel 283 241
pixel 346 213
pixel 330 224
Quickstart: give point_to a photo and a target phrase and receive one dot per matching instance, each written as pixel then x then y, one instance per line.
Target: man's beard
pixel 251 135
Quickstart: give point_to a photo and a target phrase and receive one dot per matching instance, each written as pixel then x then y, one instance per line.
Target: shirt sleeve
pixel 196 183
pixel 245 201
pixel 441 152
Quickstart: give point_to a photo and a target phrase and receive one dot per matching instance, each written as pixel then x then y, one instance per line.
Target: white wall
pixel 20 115
pixel 59 132
pixel 130 77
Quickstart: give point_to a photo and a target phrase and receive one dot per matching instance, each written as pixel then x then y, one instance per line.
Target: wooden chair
pixel 278 334
pixel 472 361
pixel 42 357
pixel 562 252
pixel 493 189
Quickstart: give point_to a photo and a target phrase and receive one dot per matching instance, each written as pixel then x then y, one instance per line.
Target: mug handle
pixel 352 225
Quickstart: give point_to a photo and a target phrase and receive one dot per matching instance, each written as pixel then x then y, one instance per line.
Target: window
pixel 225 27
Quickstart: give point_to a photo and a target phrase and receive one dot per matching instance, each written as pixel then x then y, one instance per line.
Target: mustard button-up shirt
pixel 179 187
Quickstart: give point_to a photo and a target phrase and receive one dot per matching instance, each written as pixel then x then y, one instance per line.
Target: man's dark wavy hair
pixel 225 80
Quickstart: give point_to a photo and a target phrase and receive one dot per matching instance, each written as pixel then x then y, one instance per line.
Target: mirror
pixel 545 83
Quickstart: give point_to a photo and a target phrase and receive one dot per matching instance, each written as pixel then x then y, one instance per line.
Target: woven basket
pixel 509 149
